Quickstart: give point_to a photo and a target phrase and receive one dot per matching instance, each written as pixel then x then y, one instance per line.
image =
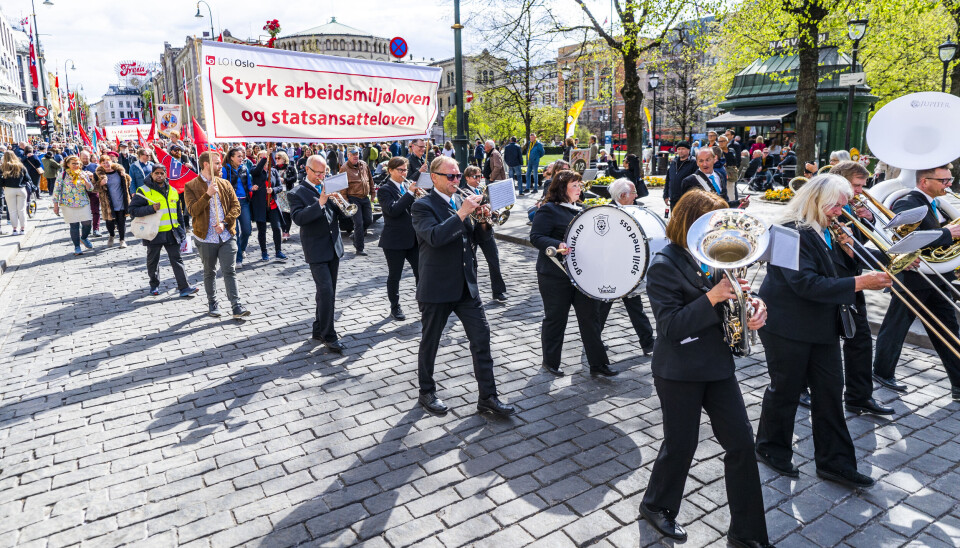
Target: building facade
pixel 335 38
pixel 119 104
pixel 14 83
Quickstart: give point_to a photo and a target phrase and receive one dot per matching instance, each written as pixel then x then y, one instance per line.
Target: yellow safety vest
pixel 168 205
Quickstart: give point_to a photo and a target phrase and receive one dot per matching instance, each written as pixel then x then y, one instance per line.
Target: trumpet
pixel 477 215
pixel 344 206
pixel 419 192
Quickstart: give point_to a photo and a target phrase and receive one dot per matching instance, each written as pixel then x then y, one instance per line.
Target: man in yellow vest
pixel 157 196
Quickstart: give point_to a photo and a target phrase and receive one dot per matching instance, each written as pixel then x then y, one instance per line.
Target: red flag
pixel 177 173
pixel 200 138
pixel 85 137
pixel 153 130
pixel 118 142
pixel 140 139
pixel 34 78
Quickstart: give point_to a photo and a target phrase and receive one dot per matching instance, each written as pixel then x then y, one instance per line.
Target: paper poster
pixel 126 133
pixel 784 248
pixel 908 217
pixel 580 160
pixel 254 93
pixel 168 119
pixel 917 239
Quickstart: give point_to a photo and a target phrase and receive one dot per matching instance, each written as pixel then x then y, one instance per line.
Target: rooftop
pixel 763 76
pixel 333 27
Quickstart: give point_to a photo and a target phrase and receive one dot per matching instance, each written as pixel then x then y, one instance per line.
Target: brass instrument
pixel 730 240
pixel 477 215
pixel 797 182
pixel 501 216
pixel 344 206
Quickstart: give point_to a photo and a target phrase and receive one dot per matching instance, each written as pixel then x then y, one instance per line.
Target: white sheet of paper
pixel 424 181
pixel 501 194
pixel 914 241
pixel 784 248
pixel 335 183
pixel 908 217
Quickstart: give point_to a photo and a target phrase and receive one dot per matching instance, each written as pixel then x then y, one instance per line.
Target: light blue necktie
pixel 713 181
pixel 476 191
pixel 934 204
pixel 403 190
pixel 453 204
pixel 828 238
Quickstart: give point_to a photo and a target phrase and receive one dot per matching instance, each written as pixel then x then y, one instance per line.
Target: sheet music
pixel 784 248
pixel 424 181
pixel 908 217
pixel 335 183
pixel 915 240
pixel 501 194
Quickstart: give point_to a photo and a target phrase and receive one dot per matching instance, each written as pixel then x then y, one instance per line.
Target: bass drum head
pixel 608 252
pixel 654 231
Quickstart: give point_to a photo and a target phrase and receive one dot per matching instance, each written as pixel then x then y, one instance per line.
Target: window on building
pixel 111 104
pixel 113 114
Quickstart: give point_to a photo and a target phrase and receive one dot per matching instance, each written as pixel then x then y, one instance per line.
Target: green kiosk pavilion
pixel 759 104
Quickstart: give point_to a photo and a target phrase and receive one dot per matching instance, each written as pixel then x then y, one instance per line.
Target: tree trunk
pixel 808 107
pixel 632 104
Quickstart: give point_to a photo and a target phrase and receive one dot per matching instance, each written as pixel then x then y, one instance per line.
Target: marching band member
pixel 549 227
pixel 801 338
pixel 447 235
pixel 932 185
pixel 398 240
pixel 318 219
pixel 693 370
pixel 624 192
pixel 489 247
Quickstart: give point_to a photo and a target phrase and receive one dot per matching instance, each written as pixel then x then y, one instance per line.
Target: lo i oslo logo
pixel 226 61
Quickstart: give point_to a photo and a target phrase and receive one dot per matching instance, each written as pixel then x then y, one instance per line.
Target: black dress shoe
pixel 850 478
pixel 663 521
pixel 805 399
pixel 890 383
pixel 744 543
pixel 432 404
pixel 361 253
pixel 555 371
pixel 500 298
pixel 647 350
pixel 870 406
pixel 603 370
pixel 956 394
pixel 782 468
pixel 494 405
pixel 397 313
pixel 334 346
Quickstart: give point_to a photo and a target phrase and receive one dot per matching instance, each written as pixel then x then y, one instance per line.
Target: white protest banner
pixel 169 119
pixel 255 93
pixel 126 133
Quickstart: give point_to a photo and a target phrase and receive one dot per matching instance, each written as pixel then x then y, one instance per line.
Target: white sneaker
pixel 110 241
pixel 123 244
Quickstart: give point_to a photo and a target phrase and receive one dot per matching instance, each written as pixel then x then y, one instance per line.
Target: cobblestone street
pixel 127 419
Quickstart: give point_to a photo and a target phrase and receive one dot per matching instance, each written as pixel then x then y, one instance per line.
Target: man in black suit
pixel 448 283
pixel 398 240
pixel 417 159
pixel 680 168
pixel 932 185
pixel 317 218
pixel 709 180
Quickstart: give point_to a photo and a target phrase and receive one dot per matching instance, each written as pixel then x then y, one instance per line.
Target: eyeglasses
pixel 316 170
pixel 943 181
pixel 450 176
pixel 402 169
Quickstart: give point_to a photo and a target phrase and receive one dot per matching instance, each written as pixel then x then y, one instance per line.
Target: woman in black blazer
pixel 802 338
pixel 398 240
pixel 266 183
pixel 549 227
pixel 693 370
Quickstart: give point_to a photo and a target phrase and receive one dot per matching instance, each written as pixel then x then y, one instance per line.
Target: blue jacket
pixel 138 172
pixel 240 180
pixel 513 155
pixel 535 154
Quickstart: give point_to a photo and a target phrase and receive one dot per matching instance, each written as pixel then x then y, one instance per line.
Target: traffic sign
pixel 41 111
pixel 398 47
pixel 43 122
pixel 468 96
pixel 853 79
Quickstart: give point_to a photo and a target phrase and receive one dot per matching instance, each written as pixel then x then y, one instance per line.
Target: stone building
pixel 335 38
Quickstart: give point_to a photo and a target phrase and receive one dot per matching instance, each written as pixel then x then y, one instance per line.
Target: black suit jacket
pixel 690 344
pixel 447 258
pixel 804 304
pixel 676 173
pixel 910 200
pixel 319 226
pixel 398 230
pixel 548 230
pixel 692 182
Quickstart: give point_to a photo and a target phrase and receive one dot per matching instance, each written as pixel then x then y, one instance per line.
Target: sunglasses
pixel 450 176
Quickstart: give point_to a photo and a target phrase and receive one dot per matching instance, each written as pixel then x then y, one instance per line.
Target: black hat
pixel 684 144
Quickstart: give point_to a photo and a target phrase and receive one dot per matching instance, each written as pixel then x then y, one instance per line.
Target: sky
pixel 95 35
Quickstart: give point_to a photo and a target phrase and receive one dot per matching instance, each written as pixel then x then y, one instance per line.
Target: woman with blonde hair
pixel 70 197
pixel 14 179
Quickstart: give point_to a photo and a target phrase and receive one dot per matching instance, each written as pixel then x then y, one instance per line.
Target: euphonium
pixel 730 240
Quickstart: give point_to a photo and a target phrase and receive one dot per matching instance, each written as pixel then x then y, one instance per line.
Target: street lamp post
pixel 66 75
pixel 654 81
pixel 856 28
pixel 564 76
pixel 210 13
pixel 620 123
pixel 947 51
pixel 460 141
pixel 36 32
pixel 443 130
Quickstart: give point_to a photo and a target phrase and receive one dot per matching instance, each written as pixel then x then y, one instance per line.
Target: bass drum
pixel 611 248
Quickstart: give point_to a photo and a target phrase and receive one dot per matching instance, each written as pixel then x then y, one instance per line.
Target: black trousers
pixel 792 364
pixel 858 358
pixel 680 403
pixel 896 324
pixel 492 255
pixel 285 221
pixel 433 318
pixel 325 278
pixel 176 263
pixel 273 217
pixel 361 220
pixel 118 224
pixel 395 258
pixel 641 324
pixel 558 294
